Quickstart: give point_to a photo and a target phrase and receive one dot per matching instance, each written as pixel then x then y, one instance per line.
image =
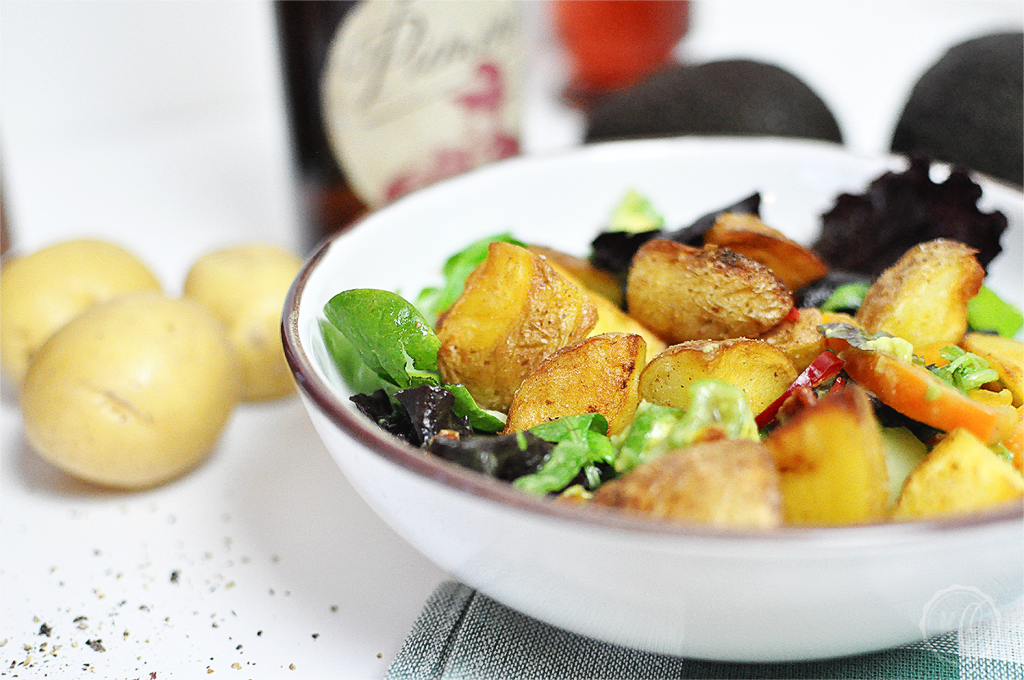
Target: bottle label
pixel 418 90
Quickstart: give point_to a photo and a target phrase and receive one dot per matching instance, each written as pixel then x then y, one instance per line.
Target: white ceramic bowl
pixel 785 594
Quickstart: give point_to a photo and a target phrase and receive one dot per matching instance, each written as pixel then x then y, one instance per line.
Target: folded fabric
pixel 464 634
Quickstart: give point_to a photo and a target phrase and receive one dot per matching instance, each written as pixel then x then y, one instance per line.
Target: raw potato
pixel 131 393
pixel 683 293
pixel 245 287
pixel 923 297
pixel 725 483
pixel 598 375
pixel 42 291
pixel 747 235
pixel 761 371
pixel 832 462
pixel 960 475
pixel 514 312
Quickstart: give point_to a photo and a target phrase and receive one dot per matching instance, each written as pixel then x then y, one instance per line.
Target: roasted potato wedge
pixel 799 338
pixel 599 281
pixel 684 293
pixel 923 297
pixel 761 371
pixel 727 483
pixel 1005 355
pixel 959 475
pixel 831 462
pixel 610 317
pixel 747 235
pixel 513 313
pixel 598 375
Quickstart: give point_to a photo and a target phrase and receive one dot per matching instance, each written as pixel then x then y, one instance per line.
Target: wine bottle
pixel 387 96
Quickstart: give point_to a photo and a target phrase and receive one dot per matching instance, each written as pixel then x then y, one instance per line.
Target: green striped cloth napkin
pixel 464 634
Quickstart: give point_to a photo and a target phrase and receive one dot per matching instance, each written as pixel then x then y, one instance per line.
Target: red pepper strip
pixel 794 315
pixel 821 369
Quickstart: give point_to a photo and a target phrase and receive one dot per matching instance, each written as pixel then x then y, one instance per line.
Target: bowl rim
pixel 453 476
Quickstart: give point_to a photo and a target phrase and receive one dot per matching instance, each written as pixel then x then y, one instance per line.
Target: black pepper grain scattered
pixel 174 576
pixel 97 645
pixel 45 630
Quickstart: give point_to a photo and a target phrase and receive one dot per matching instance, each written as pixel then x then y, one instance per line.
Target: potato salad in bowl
pixel 757 373
pixel 695 383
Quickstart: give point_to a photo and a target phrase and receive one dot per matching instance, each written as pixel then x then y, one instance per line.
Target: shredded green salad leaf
pixel 965 371
pixel 847 296
pixel 657 430
pixel 581 443
pixel 635 214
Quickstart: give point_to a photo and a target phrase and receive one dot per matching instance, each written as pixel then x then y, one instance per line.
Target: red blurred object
pixel 615 43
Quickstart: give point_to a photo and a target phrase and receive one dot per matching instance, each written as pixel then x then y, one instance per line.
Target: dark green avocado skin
pixel 968 108
pixel 732 97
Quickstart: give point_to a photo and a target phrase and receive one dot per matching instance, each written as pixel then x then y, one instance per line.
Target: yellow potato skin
pixel 598 375
pixel 514 312
pixel 44 290
pixel 131 393
pixel 760 370
pixel 923 297
pixel 245 286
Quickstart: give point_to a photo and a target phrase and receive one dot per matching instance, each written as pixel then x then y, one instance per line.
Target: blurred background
pixel 164 122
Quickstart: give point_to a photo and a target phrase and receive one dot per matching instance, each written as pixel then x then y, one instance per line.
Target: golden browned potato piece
pixel 799 338
pixel 748 235
pixel 598 375
pixel 610 317
pixel 959 475
pixel 761 371
pixel 923 297
pixel 684 293
pixel 599 281
pixel 1005 355
pixel 726 483
pixel 832 463
pixel 514 312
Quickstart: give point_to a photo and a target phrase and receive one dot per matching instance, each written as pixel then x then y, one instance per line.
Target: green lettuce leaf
pixel 480 419
pixel 389 334
pixel 581 443
pixel 634 214
pixel 988 313
pixel 354 371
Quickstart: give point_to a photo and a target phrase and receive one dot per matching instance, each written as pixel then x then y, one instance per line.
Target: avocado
pixel 968 108
pixel 731 97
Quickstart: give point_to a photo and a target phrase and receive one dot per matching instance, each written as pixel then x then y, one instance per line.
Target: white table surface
pixel 160 125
